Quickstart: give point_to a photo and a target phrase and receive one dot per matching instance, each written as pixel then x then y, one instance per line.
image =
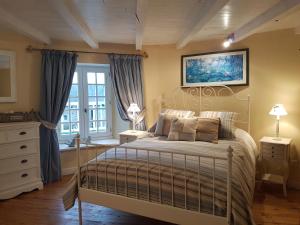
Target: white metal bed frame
pixel 158 210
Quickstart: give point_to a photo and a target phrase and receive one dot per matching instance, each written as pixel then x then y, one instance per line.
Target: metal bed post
pixel 249 113
pixel 229 178
pixel 78 178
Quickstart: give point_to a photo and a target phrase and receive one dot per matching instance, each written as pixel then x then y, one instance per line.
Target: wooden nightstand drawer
pixel 273 152
pixel 273 147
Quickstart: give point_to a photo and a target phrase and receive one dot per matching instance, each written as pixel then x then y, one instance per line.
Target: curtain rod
pixel 31 49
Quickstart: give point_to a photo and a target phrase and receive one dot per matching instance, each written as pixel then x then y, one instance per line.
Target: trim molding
pixel 295 184
pixel 68 171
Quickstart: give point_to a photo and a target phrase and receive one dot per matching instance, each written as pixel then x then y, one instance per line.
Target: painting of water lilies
pixel 214 69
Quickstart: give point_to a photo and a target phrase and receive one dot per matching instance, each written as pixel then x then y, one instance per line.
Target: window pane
pixel 75 78
pixel 101 90
pixel 92 102
pixel 92 114
pixel 74 128
pixel 74 115
pixel 74 91
pixel 92 126
pixel 100 78
pixel 101 102
pixel 101 126
pixel 74 103
pixel 91 78
pixel 65 128
pixel 91 90
pixel 101 114
pixel 65 116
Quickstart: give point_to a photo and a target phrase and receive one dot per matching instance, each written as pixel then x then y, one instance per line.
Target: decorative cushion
pixel 179 113
pixel 227 122
pixel 208 129
pixel 183 129
pixel 163 124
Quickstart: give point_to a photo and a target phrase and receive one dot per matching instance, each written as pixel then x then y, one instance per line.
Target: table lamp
pixel 133 108
pixel 278 110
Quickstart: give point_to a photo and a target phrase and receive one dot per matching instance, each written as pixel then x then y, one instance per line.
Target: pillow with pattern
pixel 183 129
pixel 208 129
pixel 226 122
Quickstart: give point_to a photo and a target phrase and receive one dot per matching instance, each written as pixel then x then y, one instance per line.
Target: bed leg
pixel 79 212
pixel 78 178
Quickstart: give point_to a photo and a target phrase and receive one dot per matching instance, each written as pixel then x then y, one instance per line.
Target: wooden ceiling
pixel 146 22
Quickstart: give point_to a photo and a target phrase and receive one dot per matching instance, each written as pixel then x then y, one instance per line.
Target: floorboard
pixel 45 208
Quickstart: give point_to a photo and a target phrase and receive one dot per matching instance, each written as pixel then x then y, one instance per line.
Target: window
pixel 88 110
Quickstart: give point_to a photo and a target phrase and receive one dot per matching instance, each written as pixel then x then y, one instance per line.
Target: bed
pixel 175 181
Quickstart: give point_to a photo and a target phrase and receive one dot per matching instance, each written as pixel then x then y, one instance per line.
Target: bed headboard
pixel 208 98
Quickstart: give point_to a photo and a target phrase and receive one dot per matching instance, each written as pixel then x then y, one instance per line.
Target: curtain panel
pixel 128 86
pixel 58 69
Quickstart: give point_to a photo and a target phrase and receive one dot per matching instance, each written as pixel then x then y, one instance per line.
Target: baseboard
pixel 295 184
pixel 68 171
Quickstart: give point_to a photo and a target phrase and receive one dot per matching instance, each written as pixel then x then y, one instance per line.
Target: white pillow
pixel 179 113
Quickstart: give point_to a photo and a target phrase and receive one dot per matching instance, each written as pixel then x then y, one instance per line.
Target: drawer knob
pixel 23 146
pixel 24 175
pixel 272 147
pixel 22 133
pixel 24 161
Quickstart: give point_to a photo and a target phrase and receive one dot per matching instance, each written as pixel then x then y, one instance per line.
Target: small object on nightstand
pixel 278 110
pixel 133 108
pixel 132 135
pixel 275 157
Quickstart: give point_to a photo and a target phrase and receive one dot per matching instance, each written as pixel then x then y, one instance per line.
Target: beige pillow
pixel 163 124
pixel 183 129
pixel 208 129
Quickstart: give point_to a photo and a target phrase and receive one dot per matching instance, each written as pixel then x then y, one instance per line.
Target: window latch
pixel 85 110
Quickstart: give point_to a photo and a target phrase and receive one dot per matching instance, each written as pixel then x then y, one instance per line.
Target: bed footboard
pixel 145 161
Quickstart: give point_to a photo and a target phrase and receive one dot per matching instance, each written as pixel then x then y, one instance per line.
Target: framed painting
pixel 215 68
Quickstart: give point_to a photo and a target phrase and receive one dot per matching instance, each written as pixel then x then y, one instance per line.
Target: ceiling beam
pixel 272 13
pixel 22 27
pixel 201 15
pixel 69 12
pixel 141 7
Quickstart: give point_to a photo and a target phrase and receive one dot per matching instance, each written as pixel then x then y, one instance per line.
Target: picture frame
pixel 215 68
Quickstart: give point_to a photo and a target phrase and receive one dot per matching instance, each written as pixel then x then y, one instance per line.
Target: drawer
pixel 17 134
pixel 18 178
pixel 275 147
pixel 18 148
pixel 18 163
pixel 126 139
pixel 20 134
pixel 271 151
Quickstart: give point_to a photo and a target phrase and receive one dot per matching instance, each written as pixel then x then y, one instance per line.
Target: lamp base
pixel 277 138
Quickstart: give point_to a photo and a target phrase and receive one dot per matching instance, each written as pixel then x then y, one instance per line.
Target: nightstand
pixel 275 155
pixel 132 135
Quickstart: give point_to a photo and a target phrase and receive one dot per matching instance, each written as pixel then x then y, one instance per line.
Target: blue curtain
pixel 127 82
pixel 58 69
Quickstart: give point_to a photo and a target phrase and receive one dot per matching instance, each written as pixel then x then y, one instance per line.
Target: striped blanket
pixel 126 171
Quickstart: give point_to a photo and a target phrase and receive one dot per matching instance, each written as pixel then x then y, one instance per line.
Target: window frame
pixel 82 69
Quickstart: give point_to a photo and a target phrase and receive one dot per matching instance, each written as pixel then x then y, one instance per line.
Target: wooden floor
pixel 45 208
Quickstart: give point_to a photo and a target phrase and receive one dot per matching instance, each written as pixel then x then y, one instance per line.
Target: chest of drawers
pixel 19 158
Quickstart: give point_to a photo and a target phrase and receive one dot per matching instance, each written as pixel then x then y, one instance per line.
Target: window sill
pixel 95 144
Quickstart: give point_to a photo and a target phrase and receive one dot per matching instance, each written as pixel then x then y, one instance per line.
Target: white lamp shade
pixel 133 108
pixel 278 110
